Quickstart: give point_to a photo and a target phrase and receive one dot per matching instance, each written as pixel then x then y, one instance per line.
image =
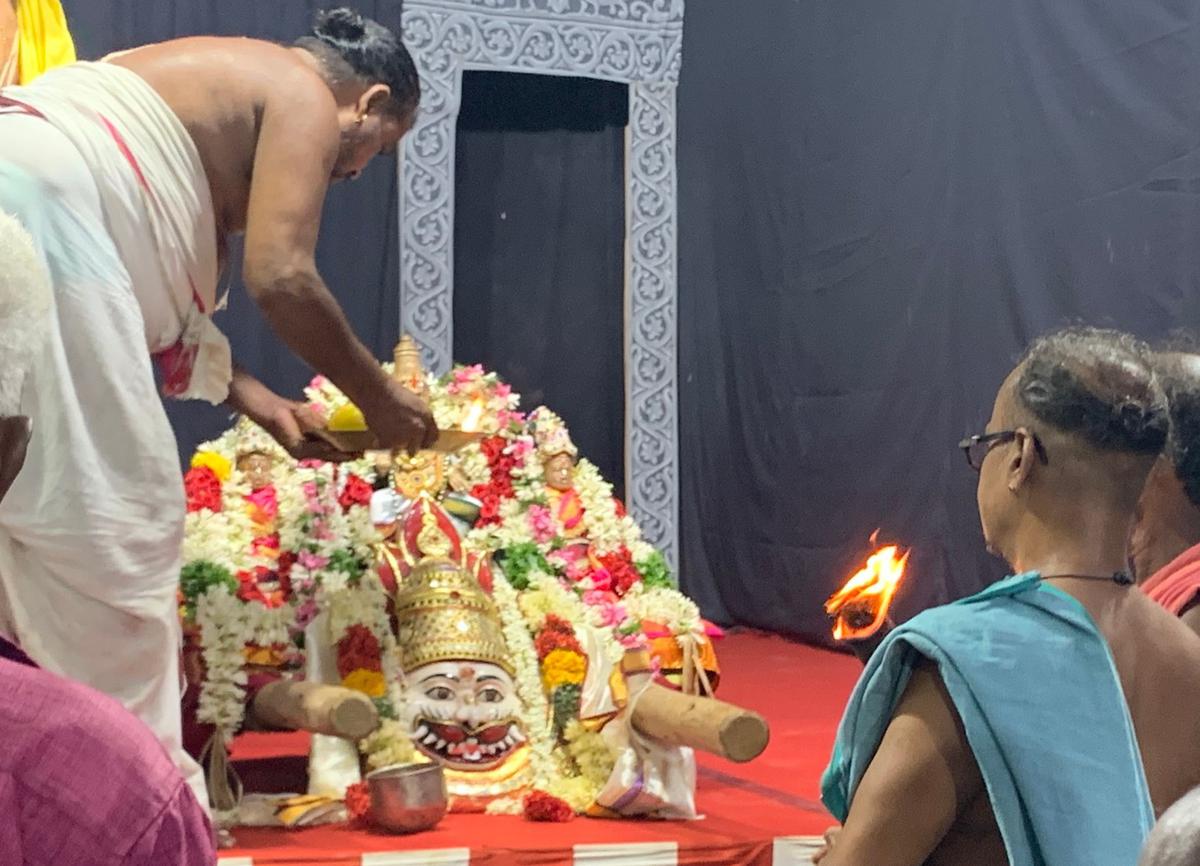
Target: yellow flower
pixel 370 683
pixel 563 667
pixel 220 466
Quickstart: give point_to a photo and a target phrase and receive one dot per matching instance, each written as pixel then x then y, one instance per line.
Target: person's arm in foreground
pixel 920 780
pixel 297 148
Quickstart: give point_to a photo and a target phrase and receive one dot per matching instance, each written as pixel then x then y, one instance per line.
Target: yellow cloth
pixel 43 39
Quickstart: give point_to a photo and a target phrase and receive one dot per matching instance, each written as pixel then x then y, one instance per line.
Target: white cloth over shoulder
pixel 107 182
pixel 157 207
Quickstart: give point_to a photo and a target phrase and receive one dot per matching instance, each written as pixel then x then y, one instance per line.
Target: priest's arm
pixel 920 781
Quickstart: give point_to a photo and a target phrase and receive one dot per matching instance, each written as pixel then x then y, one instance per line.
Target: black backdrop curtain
pixel 357 251
pixel 880 204
pixel 539 251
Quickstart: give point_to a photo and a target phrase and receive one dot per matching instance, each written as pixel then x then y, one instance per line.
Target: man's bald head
pixel 1175 839
pixel 1084 419
pixel 1095 385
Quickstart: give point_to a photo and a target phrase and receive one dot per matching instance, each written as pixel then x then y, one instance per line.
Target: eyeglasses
pixel 976 448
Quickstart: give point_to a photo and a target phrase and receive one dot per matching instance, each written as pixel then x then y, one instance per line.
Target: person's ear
pixel 1023 460
pixel 373 100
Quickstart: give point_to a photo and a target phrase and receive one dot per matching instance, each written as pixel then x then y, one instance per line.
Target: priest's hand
pixel 294 426
pixel 291 424
pixel 399 419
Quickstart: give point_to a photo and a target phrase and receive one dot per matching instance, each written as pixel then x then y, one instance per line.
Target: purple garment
pixel 85 783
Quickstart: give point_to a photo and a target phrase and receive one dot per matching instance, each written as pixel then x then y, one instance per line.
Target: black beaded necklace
pixel 1120 578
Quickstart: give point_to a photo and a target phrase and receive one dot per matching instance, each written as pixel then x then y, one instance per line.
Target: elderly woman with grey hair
pixel 1175 840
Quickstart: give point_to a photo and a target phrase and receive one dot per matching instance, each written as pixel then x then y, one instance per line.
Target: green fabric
pixel 1034 684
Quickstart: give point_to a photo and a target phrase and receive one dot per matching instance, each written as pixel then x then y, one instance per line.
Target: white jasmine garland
pixel 362 536
pixel 535 713
pixel 661 604
pixel 606 531
pixel 227 625
pixel 226 537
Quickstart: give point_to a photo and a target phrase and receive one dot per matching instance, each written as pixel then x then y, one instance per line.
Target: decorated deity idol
pixel 559 456
pixel 257 456
pixel 412 476
pixel 412 649
pixel 459 703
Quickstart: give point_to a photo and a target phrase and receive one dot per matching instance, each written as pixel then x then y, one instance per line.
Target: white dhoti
pixel 108 183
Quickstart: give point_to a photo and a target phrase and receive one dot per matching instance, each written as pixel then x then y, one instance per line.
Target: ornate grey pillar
pixel 637 42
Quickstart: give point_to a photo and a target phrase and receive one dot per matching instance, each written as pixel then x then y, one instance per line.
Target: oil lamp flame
pixel 470 421
pixel 861 606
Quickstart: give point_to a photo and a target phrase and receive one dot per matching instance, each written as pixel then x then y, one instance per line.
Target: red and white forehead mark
pixel 466 672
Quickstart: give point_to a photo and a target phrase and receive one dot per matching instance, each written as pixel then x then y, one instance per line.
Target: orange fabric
pixel 1176 584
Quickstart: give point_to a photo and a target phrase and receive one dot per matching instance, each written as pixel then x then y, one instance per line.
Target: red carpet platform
pixel 765 813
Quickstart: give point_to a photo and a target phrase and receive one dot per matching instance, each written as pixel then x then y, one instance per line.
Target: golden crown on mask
pixel 443 614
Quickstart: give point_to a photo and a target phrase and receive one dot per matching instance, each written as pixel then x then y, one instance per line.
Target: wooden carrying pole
pixel 677 719
pixel 315 707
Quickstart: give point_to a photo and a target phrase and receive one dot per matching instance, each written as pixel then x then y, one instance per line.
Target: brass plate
pixel 357 441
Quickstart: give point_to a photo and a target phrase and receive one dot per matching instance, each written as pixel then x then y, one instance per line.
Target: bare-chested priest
pixel 1165 546
pixel 130 174
pixel 1001 729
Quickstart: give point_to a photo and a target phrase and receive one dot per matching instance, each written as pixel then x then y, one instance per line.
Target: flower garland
pixel 605 577
pixel 367 656
pixel 535 714
pixel 564 668
pixel 668 607
pixel 227 625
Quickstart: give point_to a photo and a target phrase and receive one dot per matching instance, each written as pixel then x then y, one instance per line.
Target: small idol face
pixel 559 470
pixel 421 473
pixel 257 469
pixel 464 713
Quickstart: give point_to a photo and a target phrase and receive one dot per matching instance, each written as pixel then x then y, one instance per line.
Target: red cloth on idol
pixel 1176 585
pixel 85 783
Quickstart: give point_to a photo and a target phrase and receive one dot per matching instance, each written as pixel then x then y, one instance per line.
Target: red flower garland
pixel 358 803
pixel 540 806
pixel 492 447
pixel 249 589
pixel 203 489
pixel 500 485
pixel 356 492
pixel 556 633
pixel 283 571
pixel 620 567
pixel 358 648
